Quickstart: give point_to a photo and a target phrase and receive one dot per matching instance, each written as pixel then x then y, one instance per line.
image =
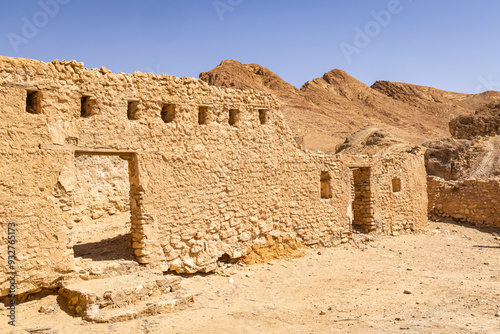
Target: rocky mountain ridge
pixel 325 110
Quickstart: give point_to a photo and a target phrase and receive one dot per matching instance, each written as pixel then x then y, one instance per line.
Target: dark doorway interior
pixel 362 204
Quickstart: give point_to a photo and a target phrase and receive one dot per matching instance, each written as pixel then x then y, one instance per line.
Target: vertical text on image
pixel 11 271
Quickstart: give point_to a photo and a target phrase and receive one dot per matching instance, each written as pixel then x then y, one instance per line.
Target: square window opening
pixel 263 116
pixel 33 102
pixel 133 110
pixel 168 113
pixel 234 117
pixel 396 185
pixel 85 106
pixel 326 190
pixel 203 115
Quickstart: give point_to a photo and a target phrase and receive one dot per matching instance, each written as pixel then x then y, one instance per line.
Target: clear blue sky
pixel 449 44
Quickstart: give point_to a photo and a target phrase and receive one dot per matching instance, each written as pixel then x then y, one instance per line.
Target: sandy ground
pixel 451 275
pixel 103 239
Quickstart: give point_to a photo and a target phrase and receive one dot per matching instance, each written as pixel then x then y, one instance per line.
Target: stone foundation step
pixel 88 269
pixel 145 308
pixel 136 294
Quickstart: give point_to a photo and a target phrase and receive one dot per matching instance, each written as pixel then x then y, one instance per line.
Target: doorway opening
pixel 362 201
pixel 102 206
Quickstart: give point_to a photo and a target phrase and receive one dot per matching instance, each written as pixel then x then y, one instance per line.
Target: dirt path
pixel 489 163
pixel 451 274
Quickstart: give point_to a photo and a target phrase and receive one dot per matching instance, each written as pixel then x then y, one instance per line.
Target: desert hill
pixel 473 150
pixel 324 111
pixel 373 141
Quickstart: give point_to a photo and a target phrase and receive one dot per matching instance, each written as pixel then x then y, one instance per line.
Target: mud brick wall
pixel 392 210
pixel 211 172
pixel 470 201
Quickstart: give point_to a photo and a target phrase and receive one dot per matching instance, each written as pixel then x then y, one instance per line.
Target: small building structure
pixel 212 172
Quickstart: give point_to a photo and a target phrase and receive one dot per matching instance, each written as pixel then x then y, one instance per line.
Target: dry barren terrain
pixel 325 110
pixel 443 280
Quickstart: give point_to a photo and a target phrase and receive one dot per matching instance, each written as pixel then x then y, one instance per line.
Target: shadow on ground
pixel 117 248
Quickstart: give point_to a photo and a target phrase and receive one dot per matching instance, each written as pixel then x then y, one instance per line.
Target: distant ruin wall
pixel 473 201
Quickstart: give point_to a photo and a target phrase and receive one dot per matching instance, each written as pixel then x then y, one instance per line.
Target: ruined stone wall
pixel 395 210
pixel 211 171
pixel 28 183
pixel 470 201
